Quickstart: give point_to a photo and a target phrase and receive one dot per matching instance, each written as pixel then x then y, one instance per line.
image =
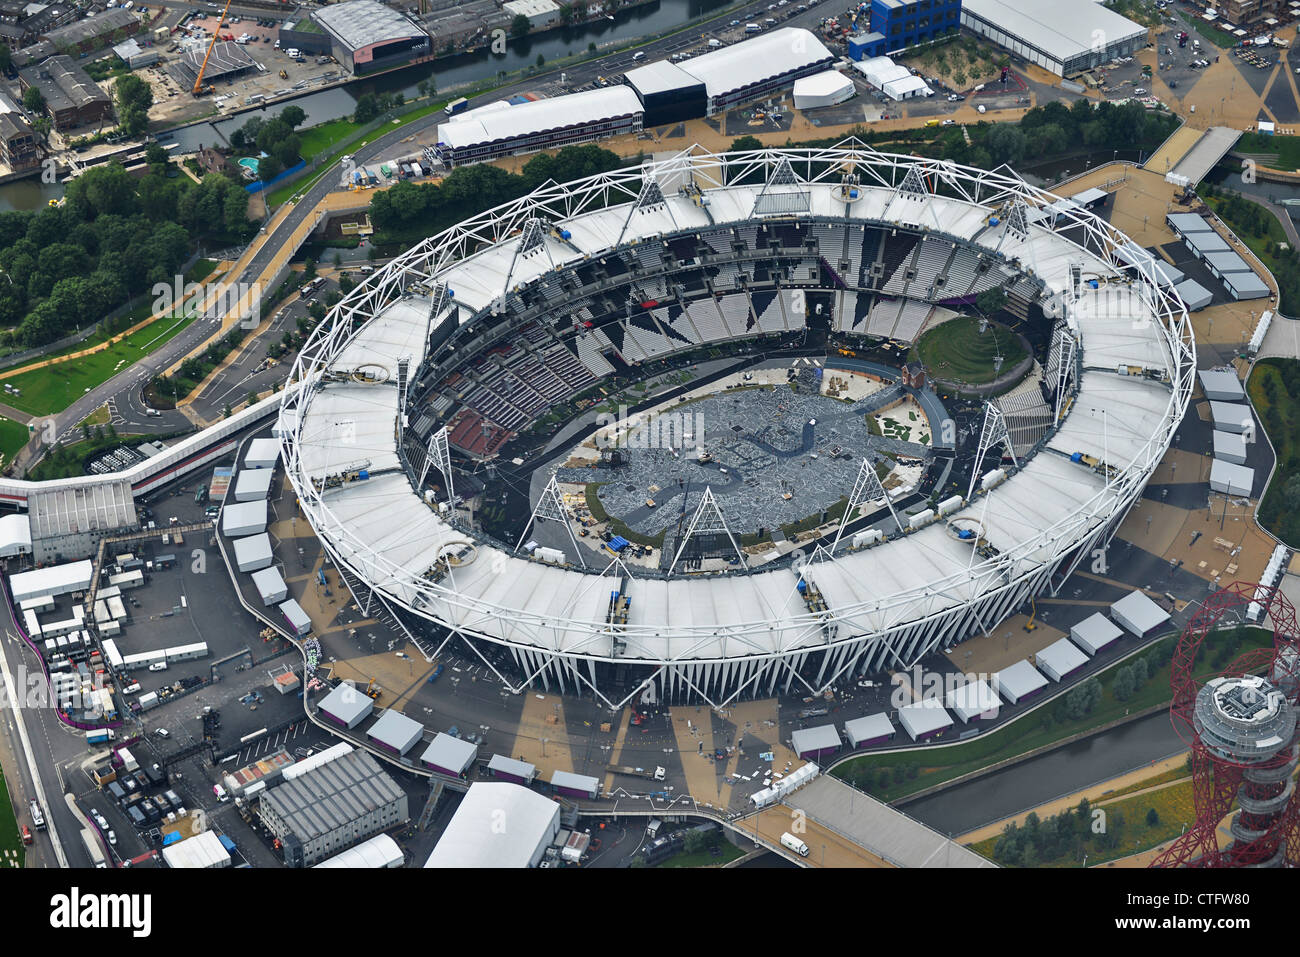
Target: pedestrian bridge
pixel 843 822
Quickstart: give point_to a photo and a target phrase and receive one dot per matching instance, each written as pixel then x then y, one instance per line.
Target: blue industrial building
pixel 905 23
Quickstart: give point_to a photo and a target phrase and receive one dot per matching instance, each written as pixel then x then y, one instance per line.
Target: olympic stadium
pixel 791 285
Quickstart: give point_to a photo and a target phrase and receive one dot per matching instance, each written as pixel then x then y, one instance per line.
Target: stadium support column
pixel 440 455
pixel 551 508
pixel 866 488
pixel 994 432
pixel 707 520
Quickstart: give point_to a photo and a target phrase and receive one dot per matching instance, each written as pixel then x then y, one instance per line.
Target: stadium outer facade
pixel 715 639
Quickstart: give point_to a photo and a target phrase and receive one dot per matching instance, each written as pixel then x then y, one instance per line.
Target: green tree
pixel 520 26
pixel 6 59
pixel 696 841
pixel 34 100
pixel 367 108
pixel 541 61
pixel 133 97
pixel 1122 685
pixel 225 412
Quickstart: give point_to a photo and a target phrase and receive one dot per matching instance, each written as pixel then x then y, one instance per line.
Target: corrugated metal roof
pixel 491 124
pixel 332 795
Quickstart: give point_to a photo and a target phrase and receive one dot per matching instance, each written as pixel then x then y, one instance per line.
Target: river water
pixel 1034 782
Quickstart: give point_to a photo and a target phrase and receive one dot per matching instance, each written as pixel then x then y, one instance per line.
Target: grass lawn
pixel 13 436
pixel 339 130
pixel 99 417
pixel 67 464
pixel 929 765
pixel 1286 149
pixel 11 844
pixel 1219 38
pixel 53 388
pixel 1174 806
pixel 201 270
pixel 1279 413
pixel 958 351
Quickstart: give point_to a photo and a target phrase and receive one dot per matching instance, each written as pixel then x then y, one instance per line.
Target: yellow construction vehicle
pixel 199 88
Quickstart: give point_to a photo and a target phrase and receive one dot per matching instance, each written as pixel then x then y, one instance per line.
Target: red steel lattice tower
pixel 1241 726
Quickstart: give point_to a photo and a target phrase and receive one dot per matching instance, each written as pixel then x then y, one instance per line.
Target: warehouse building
pixel 448 755
pixel 500 129
pixel 823 89
pixel 18 147
pixel 1061 36
pixel 52 581
pixel 668 94
pixel 94 31
pixel 868 731
pixel 758 67
pixel 1095 633
pixel 512 770
pixel 367 36
pixel 346 706
pixel 1018 682
pixel 379 852
pixel 905 23
pixel 814 743
pixel 474 838
pixel 331 807
pixel 1060 660
pixel 68 521
pixel 541 14
pixel 1138 614
pixel 227 61
pixel 135 56
pixel 72 99
pixel 396 732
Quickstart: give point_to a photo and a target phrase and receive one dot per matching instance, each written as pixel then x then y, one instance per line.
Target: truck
pixel 788 840
pixel 654 775
pixel 38 817
pixel 100 736
pixel 457 106
pixel 437 671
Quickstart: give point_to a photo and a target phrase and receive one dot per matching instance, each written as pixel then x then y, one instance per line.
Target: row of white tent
pixel 1135 613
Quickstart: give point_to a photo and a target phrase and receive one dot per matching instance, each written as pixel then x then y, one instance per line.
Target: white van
pixel 639 55
pixel 158 666
pixel 793 843
pixel 292 52
pixel 220 792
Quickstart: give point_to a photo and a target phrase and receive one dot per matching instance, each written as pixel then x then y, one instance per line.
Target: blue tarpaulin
pixel 618 543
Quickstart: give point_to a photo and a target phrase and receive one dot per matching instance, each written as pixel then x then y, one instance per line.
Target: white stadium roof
pixel 382 529
pixel 766 55
pixel 492 123
pixel 1060 28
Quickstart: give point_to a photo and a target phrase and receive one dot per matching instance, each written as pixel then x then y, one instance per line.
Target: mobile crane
pixel 199 88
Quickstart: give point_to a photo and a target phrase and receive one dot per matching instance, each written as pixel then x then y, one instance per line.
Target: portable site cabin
pixel 1094 633
pixel 1060 660
pixel 1018 682
pixel 1138 614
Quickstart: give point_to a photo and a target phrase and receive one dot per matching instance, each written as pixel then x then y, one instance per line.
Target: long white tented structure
pixel 722 637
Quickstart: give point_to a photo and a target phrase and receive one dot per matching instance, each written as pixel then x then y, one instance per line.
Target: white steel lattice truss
pixel 715 638
pixel 994 432
pixel 707 520
pixel 439 456
pixel 866 488
pixel 551 508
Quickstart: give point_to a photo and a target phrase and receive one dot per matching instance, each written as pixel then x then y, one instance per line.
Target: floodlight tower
pixel 1241 726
